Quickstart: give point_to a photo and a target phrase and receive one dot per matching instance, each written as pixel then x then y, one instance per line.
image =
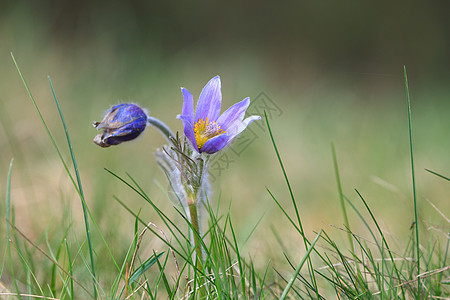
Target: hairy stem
pixel 196 235
pixel 198 247
pixel 163 128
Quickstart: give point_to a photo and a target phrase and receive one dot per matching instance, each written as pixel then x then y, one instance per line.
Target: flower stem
pixel 165 130
pixel 196 235
pixel 198 248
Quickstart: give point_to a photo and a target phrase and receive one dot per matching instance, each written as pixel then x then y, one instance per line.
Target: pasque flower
pixel 207 129
pixel 122 122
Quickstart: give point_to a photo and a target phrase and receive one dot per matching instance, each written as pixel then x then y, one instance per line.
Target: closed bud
pixel 122 122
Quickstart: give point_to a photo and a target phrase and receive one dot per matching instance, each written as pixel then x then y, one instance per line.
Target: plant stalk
pixel 196 235
pixel 161 126
pixel 198 247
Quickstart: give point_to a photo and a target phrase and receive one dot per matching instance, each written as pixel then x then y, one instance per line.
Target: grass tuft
pixel 164 265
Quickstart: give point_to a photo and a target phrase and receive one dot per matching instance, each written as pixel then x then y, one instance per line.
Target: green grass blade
pixel 69 259
pixel 241 268
pixel 308 287
pixel 299 267
pixel 8 222
pixel 263 280
pixel 413 177
pixel 30 273
pixel 341 197
pixel 299 230
pixel 297 292
pixel 163 277
pixel 437 174
pixel 253 280
pixel 121 275
pixel 144 267
pixel 383 239
pixel 365 223
pixel 305 241
pixel 252 231
pixel 44 123
pixel 80 189
pixel 56 258
pixel 284 174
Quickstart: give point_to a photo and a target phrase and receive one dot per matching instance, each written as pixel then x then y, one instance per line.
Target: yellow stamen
pixel 205 130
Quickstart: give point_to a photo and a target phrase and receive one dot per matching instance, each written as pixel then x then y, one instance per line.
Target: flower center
pixel 205 130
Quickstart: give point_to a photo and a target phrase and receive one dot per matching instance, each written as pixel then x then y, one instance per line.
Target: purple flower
pixel 123 122
pixel 207 130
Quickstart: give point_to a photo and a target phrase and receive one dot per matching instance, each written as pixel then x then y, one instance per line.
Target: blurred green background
pixel 334 69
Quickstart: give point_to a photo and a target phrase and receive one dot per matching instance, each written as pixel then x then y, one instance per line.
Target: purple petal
pixel 189 130
pixel 188 105
pixel 233 115
pixel 215 144
pixel 209 102
pixel 238 127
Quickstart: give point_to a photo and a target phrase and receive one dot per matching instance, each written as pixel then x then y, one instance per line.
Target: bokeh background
pixel 332 69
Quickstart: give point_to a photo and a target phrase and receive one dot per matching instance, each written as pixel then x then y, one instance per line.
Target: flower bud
pixel 122 122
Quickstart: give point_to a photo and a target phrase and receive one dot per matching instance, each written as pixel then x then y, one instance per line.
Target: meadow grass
pixel 62 264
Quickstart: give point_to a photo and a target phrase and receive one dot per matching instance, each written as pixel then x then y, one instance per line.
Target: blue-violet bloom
pixel 207 129
pixel 122 122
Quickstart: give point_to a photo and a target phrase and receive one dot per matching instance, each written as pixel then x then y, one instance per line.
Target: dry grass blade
pixel 136 290
pixel 419 277
pixel 438 211
pixel 28 295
